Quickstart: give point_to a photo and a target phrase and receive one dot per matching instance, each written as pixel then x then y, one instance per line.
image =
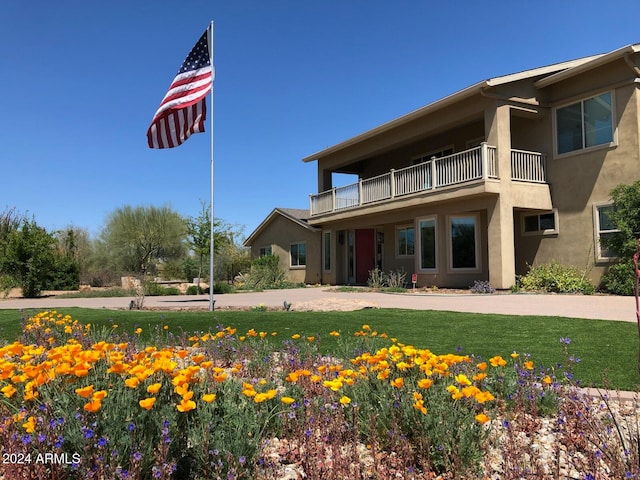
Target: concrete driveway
pixel 603 307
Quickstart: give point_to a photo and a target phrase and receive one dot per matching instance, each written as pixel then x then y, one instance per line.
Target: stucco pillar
pixel 500 235
pixel 324 180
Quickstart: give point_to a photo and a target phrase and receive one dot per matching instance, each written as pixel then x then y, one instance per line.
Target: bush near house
pixel 555 278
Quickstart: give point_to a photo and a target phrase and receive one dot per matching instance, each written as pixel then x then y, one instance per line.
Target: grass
pixel 607 350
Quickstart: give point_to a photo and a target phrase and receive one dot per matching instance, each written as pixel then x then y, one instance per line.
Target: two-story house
pixel 509 172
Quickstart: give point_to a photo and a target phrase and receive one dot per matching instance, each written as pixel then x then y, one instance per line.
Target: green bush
pixel 265 273
pixel 195 290
pixel 222 287
pixel 620 278
pixel 556 278
pixel 153 289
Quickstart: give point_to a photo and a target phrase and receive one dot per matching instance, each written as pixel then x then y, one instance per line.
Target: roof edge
pixel 269 218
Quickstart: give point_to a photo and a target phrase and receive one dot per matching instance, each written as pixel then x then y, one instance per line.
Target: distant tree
pixel 199 236
pixel 28 255
pixel 138 238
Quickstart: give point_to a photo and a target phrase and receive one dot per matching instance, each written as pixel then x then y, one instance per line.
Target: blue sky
pixel 81 80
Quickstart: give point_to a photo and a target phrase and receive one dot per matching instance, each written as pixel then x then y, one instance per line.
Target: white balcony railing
pixel 475 164
pixel 528 166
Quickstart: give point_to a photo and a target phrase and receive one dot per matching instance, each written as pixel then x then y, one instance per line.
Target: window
pixel 439 153
pixel 584 124
pixel 604 228
pixel 298 254
pixel 406 241
pixel 427 243
pixel 264 251
pixel 464 242
pixel 540 224
pixel 326 250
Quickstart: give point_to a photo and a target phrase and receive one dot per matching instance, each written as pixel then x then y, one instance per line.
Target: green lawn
pixel 607 350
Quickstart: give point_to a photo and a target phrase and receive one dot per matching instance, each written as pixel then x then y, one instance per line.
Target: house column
pixel 500 231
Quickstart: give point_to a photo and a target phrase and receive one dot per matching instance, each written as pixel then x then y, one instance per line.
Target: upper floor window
pixel 298 254
pixel 584 124
pixel 264 251
pixel 406 241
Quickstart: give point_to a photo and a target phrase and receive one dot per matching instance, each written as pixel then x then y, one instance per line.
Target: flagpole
pixel 211 237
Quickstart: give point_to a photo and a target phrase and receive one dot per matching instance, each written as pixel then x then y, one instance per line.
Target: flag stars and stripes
pixel 182 111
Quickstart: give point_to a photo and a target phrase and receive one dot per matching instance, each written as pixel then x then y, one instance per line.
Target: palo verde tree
pixel 199 238
pixel 138 238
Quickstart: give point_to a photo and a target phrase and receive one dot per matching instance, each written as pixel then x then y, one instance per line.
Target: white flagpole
pixel 211 300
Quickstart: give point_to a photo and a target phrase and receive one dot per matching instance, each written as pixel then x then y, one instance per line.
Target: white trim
pixel 476 233
pixel 596 233
pixel 549 231
pixel 418 236
pixel 579 151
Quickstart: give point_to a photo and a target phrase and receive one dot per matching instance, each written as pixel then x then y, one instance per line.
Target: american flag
pixel 183 110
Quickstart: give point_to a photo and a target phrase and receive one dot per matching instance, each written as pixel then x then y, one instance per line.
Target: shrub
pixel 620 278
pixel 556 278
pixel 195 290
pixel 153 289
pixel 222 287
pixel 265 272
pixel 482 286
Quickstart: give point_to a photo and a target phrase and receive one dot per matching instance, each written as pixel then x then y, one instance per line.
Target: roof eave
pixel 594 62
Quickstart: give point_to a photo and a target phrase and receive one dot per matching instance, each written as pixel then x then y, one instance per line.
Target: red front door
pixel 365 254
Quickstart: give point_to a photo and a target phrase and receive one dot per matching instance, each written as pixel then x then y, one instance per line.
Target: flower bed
pixel 79 403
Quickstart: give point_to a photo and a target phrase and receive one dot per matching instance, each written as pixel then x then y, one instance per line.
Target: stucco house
pixel 286 233
pixel 512 171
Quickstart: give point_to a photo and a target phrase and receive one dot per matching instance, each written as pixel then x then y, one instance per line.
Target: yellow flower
pixel 132 382
pixel 425 383
pixel 515 355
pixel 8 391
pixel 334 333
pixel 482 397
pixel 85 391
pixel 186 405
pixel 138 331
pixel 295 336
pixel 311 339
pixel 547 380
pixel 528 365
pixel 93 406
pixel 154 388
pixel 287 400
pixel 30 425
pixel 344 400
pixel 209 397
pixel 482 418
pixel 497 361
pixel 147 403
pixel 220 377
pixel 398 382
pixel 462 379
pixel 99 395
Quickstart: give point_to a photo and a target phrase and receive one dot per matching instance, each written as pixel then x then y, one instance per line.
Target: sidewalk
pixel 602 307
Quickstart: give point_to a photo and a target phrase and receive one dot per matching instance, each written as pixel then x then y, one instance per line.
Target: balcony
pixel 471 166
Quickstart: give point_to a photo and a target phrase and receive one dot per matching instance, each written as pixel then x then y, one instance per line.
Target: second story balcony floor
pixel 473 166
